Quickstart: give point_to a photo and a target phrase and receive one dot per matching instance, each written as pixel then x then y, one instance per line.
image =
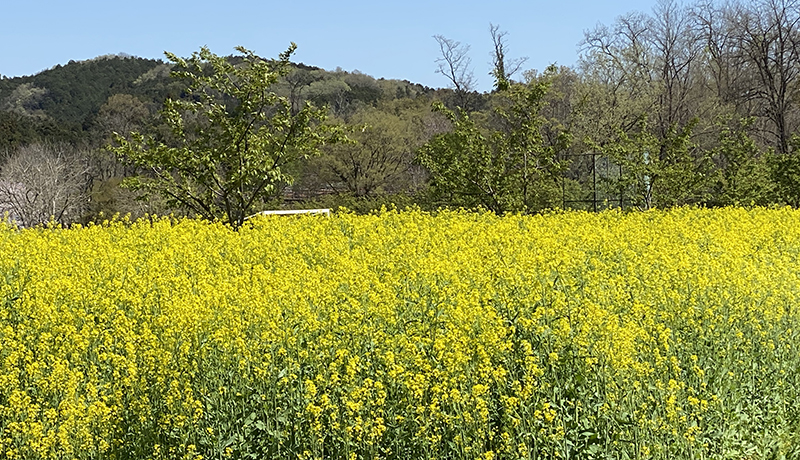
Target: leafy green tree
pixel 743 173
pixel 342 92
pixel 659 171
pixel 785 172
pixel 504 163
pixel 381 157
pixel 15 131
pixel 223 149
pixel 26 100
pixel 121 113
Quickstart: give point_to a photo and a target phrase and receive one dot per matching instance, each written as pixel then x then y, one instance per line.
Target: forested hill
pixel 61 104
pixel 68 93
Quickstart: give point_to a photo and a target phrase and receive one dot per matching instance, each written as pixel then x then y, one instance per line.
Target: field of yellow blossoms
pixel 405 335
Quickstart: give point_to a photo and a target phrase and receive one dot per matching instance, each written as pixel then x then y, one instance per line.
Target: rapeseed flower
pixel 665 334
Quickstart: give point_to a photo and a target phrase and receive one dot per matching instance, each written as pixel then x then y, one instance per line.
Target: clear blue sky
pixel 380 38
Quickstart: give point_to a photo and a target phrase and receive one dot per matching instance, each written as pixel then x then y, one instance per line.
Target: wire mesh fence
pixel 592 183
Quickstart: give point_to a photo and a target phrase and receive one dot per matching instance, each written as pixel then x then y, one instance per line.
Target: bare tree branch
pixel 456 65
pixel 502 68
pixel 39 183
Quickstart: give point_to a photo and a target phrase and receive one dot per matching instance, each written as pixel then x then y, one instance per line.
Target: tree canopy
pixel 222 149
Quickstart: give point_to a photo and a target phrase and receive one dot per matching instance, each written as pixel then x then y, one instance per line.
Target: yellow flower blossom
pixel 400 333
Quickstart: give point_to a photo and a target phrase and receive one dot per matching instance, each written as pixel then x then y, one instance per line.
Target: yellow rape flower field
pixel 404 335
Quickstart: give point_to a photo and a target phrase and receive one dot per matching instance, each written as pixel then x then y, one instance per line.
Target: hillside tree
pixel 381 157
pixel 503 163
pixel 223 149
